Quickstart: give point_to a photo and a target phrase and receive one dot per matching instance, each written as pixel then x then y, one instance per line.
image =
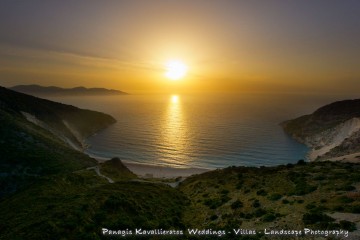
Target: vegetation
pixel 116 170
pixel 50 191
pixel 283 197
pixel 76 206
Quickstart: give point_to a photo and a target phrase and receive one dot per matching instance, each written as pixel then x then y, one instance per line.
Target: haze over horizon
pixel 228 46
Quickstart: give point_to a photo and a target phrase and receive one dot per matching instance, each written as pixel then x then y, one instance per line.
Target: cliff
pixel 66 122
pixel 39 137
pixel 332 131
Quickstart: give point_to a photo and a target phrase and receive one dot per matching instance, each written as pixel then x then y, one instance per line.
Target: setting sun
pixel 175 69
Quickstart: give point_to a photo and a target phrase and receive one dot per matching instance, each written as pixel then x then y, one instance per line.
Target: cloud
pixel 10 54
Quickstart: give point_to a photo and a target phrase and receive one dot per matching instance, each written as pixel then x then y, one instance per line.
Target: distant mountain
pixel 332 131
pixel 55 91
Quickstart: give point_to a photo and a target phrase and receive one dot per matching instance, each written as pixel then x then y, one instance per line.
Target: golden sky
pixel 228 46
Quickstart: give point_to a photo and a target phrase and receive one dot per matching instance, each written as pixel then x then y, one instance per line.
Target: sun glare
pixel 174 99
pixel 175 69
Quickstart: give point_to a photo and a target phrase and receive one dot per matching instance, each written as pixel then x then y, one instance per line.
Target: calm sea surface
pixel 198 131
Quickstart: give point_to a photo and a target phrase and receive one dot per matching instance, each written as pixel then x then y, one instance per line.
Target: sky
pixel 228 45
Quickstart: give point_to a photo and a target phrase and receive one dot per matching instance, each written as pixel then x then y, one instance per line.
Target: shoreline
pixel 145 170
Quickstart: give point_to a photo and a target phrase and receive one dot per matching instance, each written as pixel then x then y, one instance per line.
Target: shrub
pixel 310 206
pixel 256 203
pixel 259 212
pixel 344 199
pixel 354 209
pixel 301 162
pixel 261 192
pixel 274 197
pixel 313 218
pixel 225 191
pixel 350 226
pixel 237 204
pixel 269 217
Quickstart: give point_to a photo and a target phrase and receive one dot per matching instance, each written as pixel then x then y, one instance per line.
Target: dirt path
pixel 97 170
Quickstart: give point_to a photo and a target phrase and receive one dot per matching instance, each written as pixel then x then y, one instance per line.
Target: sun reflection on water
pixel 174 134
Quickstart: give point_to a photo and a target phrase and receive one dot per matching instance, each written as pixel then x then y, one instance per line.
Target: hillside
pixel 38 137
pixel 51 191
pixel 332 131
pixel 69 123
pixel 77 205
pixel 37 90
pixel 308 195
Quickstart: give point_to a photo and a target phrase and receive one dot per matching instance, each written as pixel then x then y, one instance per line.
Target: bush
pixel 350 226
pixel 237 204
pixel 313 218
pixel 269 217
pixel 354 209
pixel 310 206
pixel 224 192
pixel 274 197
pixel 213 203
pixel 259 212
pixel 261 192
pixel 256 203
pixel 344 199
pixel 301 162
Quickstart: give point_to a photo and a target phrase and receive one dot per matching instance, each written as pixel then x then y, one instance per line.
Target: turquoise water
pixel 193 131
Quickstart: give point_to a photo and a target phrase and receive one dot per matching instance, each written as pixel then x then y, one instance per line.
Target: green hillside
pixel 283 197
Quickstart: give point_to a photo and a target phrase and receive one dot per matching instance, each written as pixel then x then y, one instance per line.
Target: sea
pixel 200 131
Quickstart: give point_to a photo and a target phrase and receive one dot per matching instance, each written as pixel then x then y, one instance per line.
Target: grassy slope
pixel 289 197
pixel 116 170
pixel 77 206
pixel 27 151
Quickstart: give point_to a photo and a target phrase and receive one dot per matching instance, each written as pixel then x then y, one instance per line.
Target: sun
pixel 175 69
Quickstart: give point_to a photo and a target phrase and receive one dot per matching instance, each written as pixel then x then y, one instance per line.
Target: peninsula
pixel 38 90
pixel 332 131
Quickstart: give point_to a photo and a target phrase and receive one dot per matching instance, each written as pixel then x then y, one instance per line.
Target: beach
pixel 154 171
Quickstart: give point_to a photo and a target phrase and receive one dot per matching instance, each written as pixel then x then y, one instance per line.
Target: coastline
pixel 154 171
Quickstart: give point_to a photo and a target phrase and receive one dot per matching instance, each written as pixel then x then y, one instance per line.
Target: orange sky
pixel 229 46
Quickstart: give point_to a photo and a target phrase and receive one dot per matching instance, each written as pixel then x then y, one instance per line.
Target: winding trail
pixel 97 170
pixel 171 184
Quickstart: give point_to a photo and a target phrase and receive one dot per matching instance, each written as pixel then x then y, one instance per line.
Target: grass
pixel 277 197
pixel 77 206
